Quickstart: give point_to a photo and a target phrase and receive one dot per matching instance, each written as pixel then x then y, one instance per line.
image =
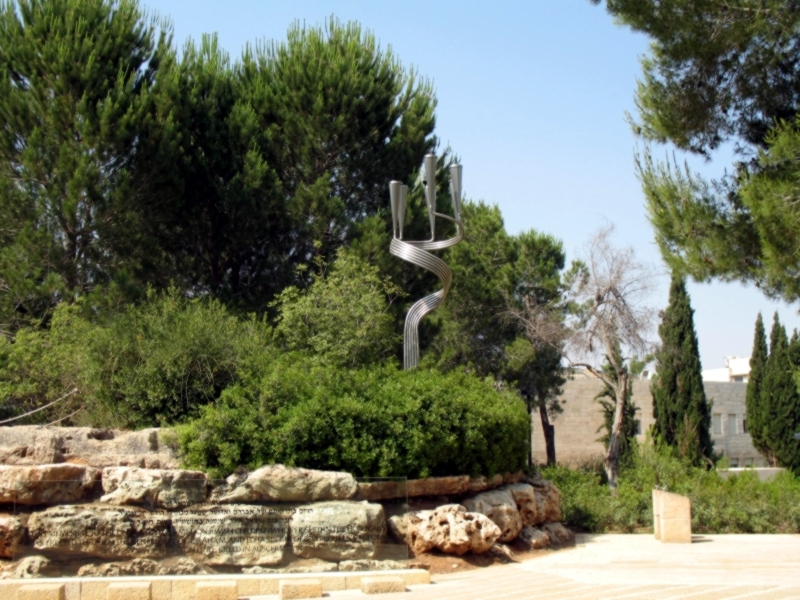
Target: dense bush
pixel 740 504
pixel 378 421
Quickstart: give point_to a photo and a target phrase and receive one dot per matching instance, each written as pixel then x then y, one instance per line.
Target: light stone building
pixel 578 428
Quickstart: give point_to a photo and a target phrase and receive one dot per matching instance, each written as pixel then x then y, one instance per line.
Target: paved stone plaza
pixel 634 567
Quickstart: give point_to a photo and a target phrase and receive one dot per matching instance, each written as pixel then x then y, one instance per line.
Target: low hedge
pixel 376 421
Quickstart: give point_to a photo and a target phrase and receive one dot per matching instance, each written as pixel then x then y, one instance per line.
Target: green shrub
pixel 739 504
pixel 158 363
pixel 377 421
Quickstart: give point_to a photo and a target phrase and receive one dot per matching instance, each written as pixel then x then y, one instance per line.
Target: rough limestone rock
pixel 276 483
pixel 309 565
pixel 338 530
pixel 548 501
pixel 35 445
pixel 533 538
pixel 449 528
pixel 557 532
pixel 144 566
pixel 46 484
pixel 233 534
pixel 104 532
pixel 12 530
pixel 371 565
pixel 500 507
pixel 382 490
pixel 161 488
pixel 525 498
pixel 35 566
pixel 438 486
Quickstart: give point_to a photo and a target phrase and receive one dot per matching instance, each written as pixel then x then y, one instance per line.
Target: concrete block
pixel 216 590
pixel 300 588
pixel 183 588
pixel 248 587
pixel 160 589
pixel 94 590
pixel 42 591
pixel 416 576
pixel 268 586
pixel 132 590
pixel 72 590
pixel 675 518
pixel 382 585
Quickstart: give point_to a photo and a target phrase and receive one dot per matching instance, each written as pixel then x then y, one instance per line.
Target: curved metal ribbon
pixel 415 253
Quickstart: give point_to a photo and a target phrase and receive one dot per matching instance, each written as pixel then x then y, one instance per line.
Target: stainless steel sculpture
pixel 415 251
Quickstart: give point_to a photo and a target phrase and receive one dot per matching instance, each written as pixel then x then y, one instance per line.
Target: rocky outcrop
pixel 557 532
pixel 311 565
pixel 371 565
pixel 338 530
pixel 233 534
pixel 382 490
pixel 46 484
pixel 525 498
pixel 36 445
pixel 12 530
pixel 276 483
pixel 533 538
pixel 548 501
pixel 500 507
pixel 449 528
pixel 104 532
pixel 153 487
pixel 35 566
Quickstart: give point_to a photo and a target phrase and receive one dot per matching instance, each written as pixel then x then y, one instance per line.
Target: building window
pixel 716 424
pixel 739 379
pixel 637 426
pixel 744 425
pixel 732 425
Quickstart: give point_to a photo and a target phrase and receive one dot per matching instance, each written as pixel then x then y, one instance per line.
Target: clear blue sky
pixel 532 96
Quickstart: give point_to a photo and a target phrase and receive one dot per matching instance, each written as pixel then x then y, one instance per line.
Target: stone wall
pixel 68 507
pixel 576 429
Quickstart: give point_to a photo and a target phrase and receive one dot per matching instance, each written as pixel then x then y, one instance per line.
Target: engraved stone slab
pixel 338 530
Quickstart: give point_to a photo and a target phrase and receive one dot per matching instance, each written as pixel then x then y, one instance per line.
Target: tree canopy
pixel 722 71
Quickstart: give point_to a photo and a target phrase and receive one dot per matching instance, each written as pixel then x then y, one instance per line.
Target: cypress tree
pixel 680 408
pixel 758 364
pixel 780 401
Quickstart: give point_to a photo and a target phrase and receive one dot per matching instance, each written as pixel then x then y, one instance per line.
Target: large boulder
pixel 525 498
pixel 233 534
pixel 533 538
pixel 46 484
pixel 181 565
pixel 277 483
pixel 548 501
pixel 12 530
pixel 153 487
pixel 104 532
pixel 338 530
pixel 390 489
pixel 500 507
pixel 557 532
pixel 35 445
pixel 449 528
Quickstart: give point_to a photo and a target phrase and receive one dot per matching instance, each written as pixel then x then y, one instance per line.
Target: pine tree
pixel 758 364
pixel 680 408
pixel 780 401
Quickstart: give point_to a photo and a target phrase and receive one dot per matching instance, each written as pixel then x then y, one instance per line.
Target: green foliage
pixel 75 83
pixel 377 421
pixel 608 403
pixel 343 316
pixel 720 71
pixel 780 401
pixel 682 413
pixel 755 408
pixel 739 504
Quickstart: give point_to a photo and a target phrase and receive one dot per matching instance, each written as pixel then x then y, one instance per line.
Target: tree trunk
pixel 611 462
pixel 549 435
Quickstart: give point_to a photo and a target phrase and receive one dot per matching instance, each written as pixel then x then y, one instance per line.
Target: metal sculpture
pixel 415 251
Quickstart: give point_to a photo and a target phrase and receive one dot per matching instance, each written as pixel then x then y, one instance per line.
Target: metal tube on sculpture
pixel 416 253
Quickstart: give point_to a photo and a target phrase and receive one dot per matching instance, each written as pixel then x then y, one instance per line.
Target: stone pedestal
pixel 672 517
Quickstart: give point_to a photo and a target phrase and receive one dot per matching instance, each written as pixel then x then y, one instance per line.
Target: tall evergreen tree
pixel 680 408
pixel 780 401
pixel 75 82
pixel 758 364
